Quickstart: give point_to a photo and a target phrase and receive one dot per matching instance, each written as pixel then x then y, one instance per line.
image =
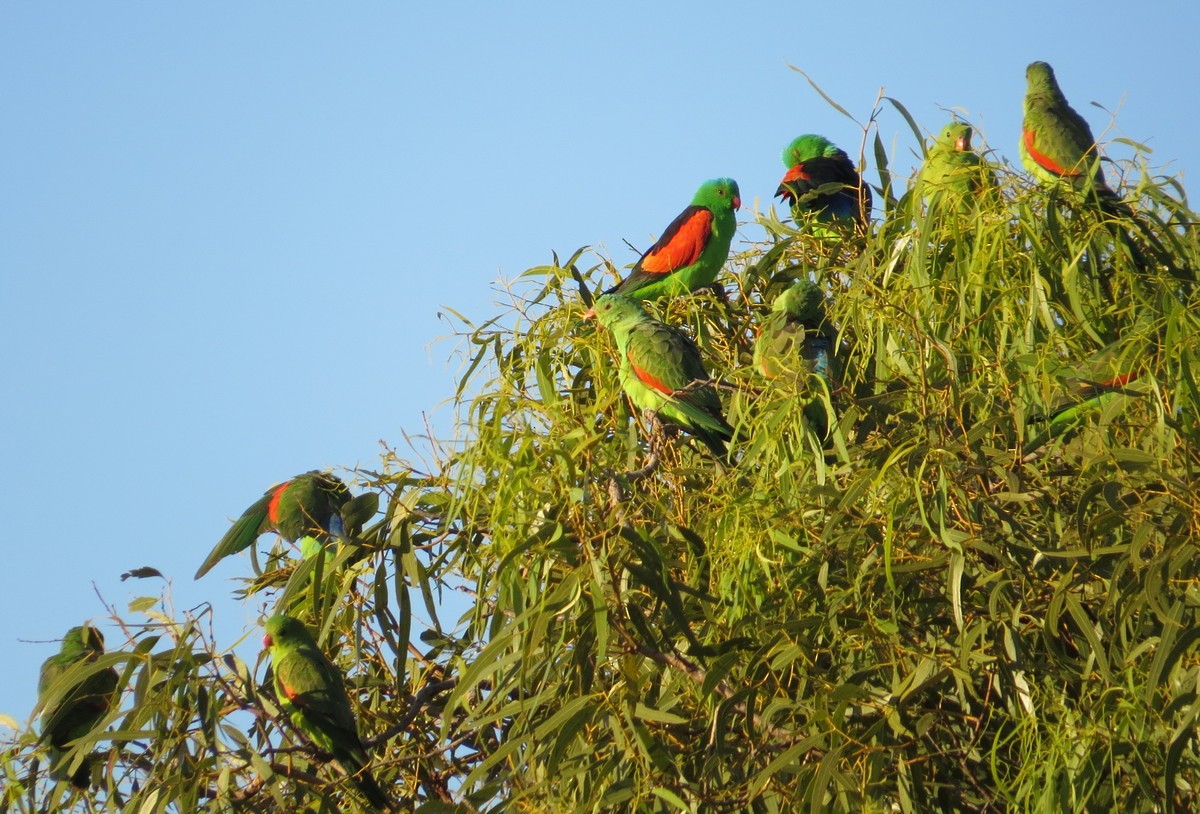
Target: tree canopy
pixel 958 597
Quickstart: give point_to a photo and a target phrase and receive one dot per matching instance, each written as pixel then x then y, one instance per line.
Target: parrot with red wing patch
pixel 1057 147
pixel 1056 142
pixel 692 249
pixel 313 693
pixel 662 371
pixel 313 506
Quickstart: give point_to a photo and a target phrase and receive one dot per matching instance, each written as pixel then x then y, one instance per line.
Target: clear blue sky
pixel 226 229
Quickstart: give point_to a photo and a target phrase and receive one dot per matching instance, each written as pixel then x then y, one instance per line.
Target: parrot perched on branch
pixel 795 340
pixel 1057 147
pixel 1056 142
pixel 662 372
pixel 794 337
pixel 312 692
pixel 822 180
pixel 311 508
pixel 953 171
pixel 692 249
pixel 81 708
pixel 1089 397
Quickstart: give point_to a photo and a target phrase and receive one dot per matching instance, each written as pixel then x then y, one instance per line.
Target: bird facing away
pixel 308 505
pixel 313 694
pixel 82 707
pixel 795 341
pixel 953 171
pixel 814 164
pixel 1056 143
pixel 794 338
pixel 661 371
pixel 692 250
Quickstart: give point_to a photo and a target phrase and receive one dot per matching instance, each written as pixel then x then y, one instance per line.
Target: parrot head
pixel 718 195
pixel 613 309
pixel 83 639
pixel 807 147
pixel 1039 77
pixel 803 300
pixel 284 631
pixel 958 135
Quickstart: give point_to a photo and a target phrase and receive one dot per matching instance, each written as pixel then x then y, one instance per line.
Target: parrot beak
pixel 267 640
pixel 737 202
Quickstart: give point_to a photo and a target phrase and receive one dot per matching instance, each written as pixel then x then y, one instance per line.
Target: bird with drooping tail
pixel 71 712
pixel 821 181
pixel 310 508
pixel 1057 145
pixel 312 691
pixel 662 372
pixel 692 250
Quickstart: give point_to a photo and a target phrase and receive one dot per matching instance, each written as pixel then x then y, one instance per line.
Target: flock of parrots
pixel 661 371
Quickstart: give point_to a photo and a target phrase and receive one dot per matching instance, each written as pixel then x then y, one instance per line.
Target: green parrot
pixel 661 371
pixel 1057 146
pixel 81 708
pixel 310 508
pixel 692 249
pixel 1056 143
pixel 795 340
pixel 311 690
pixel 952 170
pixel 1089 397
pixel 814 163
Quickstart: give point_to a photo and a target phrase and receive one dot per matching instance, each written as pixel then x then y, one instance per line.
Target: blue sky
pixel 226 230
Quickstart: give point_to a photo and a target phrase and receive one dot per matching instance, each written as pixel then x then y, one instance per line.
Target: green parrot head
pixel 616 312
pixel 719 195
pixel 803 300
pixel 956 136
pixel 81 640
pixel 286 633
pixel 1040 81
pixel 806 147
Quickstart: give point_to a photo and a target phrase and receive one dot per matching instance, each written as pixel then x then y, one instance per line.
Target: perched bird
pixel 311 690
pixel 1056 142
pixel 692 249
pixel 1057 146
pixel 953 171
pixel 661 371
pixel 813 164
pixel 313 505
pixel 795 340
pixel 1087 399
pixel 81 707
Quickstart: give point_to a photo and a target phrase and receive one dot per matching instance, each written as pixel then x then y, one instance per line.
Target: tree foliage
pixel 946 602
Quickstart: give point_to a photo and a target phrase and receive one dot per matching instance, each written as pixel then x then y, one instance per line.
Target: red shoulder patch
pixel 273 505
pixel 288 691
pixel 649 379
pixel 1122 380
pixel 1044 161
pixel 681 245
